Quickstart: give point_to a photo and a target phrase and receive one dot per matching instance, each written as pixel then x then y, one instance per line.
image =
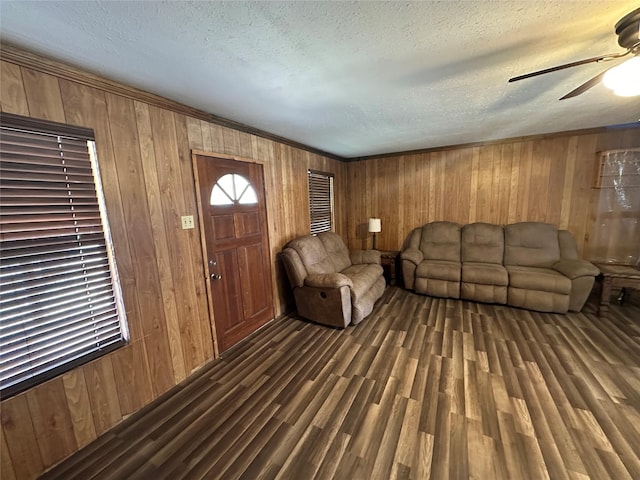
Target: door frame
pixel 203 242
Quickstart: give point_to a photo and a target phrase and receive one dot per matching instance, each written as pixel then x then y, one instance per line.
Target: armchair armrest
pixel 413 255
pixel 576 268
pixel 328 280
pixel 360 257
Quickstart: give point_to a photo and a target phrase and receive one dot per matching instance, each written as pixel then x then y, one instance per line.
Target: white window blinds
pixel 60 301
pixel 320 201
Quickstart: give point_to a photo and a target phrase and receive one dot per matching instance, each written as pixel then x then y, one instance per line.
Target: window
pixel 60 301
pixel 320 201
pixel 233 188
pixel 615 233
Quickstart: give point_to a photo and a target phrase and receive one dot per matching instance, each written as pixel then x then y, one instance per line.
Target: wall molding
pixel 526 138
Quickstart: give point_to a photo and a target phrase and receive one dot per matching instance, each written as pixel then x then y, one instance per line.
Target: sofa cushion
pixel 441 241
pixel 531 244
pixel 363 277
pixel 439 269
pixel 328 280
pixel 313 254
pixel 337 251
pixel 483 293
pixel 482 242
pixel 541 279
pixel 484 273
pixel 364 305
pixel 437 288
pixel 538 300
pixel 365 256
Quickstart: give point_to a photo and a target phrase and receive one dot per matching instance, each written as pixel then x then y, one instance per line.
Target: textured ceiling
pixel 350 78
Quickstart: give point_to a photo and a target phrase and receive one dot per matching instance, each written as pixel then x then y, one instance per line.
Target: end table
pixel 614 276
pixel 390 264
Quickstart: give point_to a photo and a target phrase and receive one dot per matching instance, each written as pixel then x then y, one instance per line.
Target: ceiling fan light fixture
pixel 624 79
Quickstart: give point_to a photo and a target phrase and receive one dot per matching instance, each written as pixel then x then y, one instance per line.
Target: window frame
pixel 101 332
pixel 321 201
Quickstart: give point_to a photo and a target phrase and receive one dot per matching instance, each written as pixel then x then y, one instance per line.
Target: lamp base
pixel 374 241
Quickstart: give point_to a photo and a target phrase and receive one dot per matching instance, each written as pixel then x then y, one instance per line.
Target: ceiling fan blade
pixel 585 86
pixel 569 65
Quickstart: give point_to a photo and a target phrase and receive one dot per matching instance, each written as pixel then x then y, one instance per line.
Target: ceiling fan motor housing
pixel 628 31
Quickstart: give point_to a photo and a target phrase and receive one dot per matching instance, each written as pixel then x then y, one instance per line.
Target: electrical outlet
pixel 187 222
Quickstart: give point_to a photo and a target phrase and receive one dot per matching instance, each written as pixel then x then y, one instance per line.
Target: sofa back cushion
pixel 482 242
pixel 531 244
pixel 441 241
pixel 337 251
pixel 313 254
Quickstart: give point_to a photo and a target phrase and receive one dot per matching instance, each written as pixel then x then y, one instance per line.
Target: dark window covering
pixel 320 201
pixel 60 302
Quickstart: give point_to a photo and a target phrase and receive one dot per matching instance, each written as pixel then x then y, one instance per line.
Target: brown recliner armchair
pixel 332 286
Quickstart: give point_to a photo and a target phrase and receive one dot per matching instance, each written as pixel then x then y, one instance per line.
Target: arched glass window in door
pixel 233 188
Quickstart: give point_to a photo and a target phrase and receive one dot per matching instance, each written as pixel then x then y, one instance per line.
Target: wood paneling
pixel 103 393
pixel 144 152
pixel 14 99
pixel 43 96
pixel 544 179
pixel 6 466
pixel 79 406
pixel 51 420
pixel 22 445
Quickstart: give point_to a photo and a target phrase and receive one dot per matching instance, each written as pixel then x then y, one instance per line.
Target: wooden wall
pixel 539 179
pixel 144 154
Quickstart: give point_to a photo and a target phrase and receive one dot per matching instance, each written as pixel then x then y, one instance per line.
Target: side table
pixel 390 264
pixel 616 276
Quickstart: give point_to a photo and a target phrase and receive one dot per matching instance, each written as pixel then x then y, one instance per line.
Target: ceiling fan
pixel 628 31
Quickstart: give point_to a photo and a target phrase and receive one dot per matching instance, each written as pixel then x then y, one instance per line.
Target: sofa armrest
pixel 361 257
pixel 413 255
pixel 328 280
pixel 576 268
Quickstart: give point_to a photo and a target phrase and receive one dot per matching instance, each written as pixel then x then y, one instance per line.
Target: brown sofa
pixel 529 264
pixel 330 285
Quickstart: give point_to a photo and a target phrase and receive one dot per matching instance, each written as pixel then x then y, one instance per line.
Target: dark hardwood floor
pixel 424 388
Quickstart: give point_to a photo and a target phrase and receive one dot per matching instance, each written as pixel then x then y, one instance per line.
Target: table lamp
pixel 374 227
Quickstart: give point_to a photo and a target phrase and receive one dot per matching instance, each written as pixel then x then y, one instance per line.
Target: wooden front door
pixel 236 247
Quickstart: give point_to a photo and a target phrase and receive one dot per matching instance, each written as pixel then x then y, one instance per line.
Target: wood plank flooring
pixel 424 388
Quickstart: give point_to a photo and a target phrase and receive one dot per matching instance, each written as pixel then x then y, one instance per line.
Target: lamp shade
pixel 374 225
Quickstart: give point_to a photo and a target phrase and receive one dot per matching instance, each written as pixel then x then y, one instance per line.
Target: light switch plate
pixel 187 222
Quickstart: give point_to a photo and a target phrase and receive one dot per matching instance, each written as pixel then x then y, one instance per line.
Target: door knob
pixel 216 276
